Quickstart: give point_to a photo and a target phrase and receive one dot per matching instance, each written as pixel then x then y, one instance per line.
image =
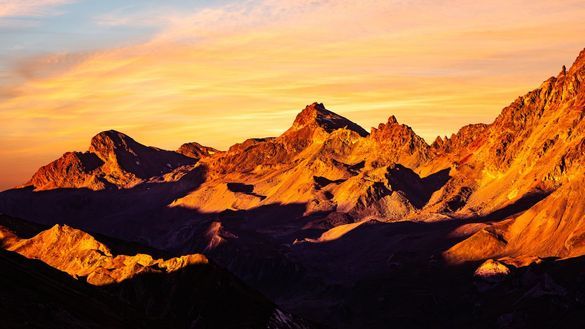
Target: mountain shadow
pixel 197 295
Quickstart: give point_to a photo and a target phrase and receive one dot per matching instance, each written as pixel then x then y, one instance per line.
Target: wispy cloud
pixel 30 8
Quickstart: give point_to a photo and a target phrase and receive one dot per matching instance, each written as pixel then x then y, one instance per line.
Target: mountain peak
pixel 392 120
pixel 580 60
pixel 110 140
pixel 391 124
pixel 316 115
pixel 111 134
pixel 113 159
pixel 578 67
pixel 122 153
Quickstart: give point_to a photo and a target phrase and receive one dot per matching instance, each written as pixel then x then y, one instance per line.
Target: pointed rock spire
pixel 392 120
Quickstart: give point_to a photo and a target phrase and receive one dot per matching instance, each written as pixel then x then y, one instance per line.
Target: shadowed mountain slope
pixel 124 291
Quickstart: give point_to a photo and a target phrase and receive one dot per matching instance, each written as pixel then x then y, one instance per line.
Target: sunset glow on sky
pixel 217 72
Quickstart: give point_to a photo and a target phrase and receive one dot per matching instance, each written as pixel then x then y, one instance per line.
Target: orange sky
pixel 220 74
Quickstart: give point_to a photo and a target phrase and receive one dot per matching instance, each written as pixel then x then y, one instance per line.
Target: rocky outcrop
pixel 398 143
pixel 312 126
pixel 123 156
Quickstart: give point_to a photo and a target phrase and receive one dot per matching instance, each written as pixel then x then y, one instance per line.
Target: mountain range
pixel 342 227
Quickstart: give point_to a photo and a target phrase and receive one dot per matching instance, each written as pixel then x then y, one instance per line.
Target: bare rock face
pixel 313 125
pixel 114 160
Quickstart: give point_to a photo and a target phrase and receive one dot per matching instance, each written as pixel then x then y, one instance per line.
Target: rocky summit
pixel 113 160
pixel 340 227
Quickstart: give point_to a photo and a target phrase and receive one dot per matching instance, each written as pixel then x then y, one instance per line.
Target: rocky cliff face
pixel 468 137
pixel 535 146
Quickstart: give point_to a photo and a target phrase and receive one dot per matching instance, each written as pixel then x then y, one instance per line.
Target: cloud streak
pixel 30 8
